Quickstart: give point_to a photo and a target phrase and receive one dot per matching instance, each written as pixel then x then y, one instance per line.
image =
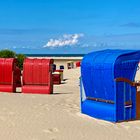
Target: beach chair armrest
pixel 121 79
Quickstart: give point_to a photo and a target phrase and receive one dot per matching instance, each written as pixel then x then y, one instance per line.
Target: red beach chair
pixel 56 79
pixel 8 76
pixel 37 76
pixel 61 73
pixel 78 64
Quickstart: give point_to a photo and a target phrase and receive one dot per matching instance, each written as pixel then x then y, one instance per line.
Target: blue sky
pixel 69 26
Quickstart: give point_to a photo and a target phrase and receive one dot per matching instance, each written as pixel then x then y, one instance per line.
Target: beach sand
pixel 57 116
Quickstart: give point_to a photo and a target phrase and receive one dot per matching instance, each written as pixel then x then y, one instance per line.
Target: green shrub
pixel 20 59
pixel 7 54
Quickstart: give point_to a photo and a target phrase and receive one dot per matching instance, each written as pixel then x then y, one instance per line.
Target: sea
pixel 54 55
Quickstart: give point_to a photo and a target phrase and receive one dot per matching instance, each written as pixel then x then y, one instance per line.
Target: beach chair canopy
pixel 98 72
pixel 37 76
pixel 8 75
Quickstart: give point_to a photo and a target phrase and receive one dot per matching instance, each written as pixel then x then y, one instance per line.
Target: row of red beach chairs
pixel 36 78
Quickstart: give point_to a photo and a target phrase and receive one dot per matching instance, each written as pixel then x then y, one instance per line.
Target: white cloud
pixel 65 40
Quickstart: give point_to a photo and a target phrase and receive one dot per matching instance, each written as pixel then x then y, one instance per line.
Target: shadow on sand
pixel 58 93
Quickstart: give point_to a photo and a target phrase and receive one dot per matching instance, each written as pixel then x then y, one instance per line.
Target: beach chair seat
pixel 44 89
pixel 7 88
pixel 37 76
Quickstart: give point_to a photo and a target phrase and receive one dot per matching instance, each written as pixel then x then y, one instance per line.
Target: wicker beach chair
pixel 37 76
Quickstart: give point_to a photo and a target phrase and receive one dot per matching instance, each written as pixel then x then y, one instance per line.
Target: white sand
pixel 57 117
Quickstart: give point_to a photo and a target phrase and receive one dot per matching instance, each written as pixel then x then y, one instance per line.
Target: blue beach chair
pixel 108 90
